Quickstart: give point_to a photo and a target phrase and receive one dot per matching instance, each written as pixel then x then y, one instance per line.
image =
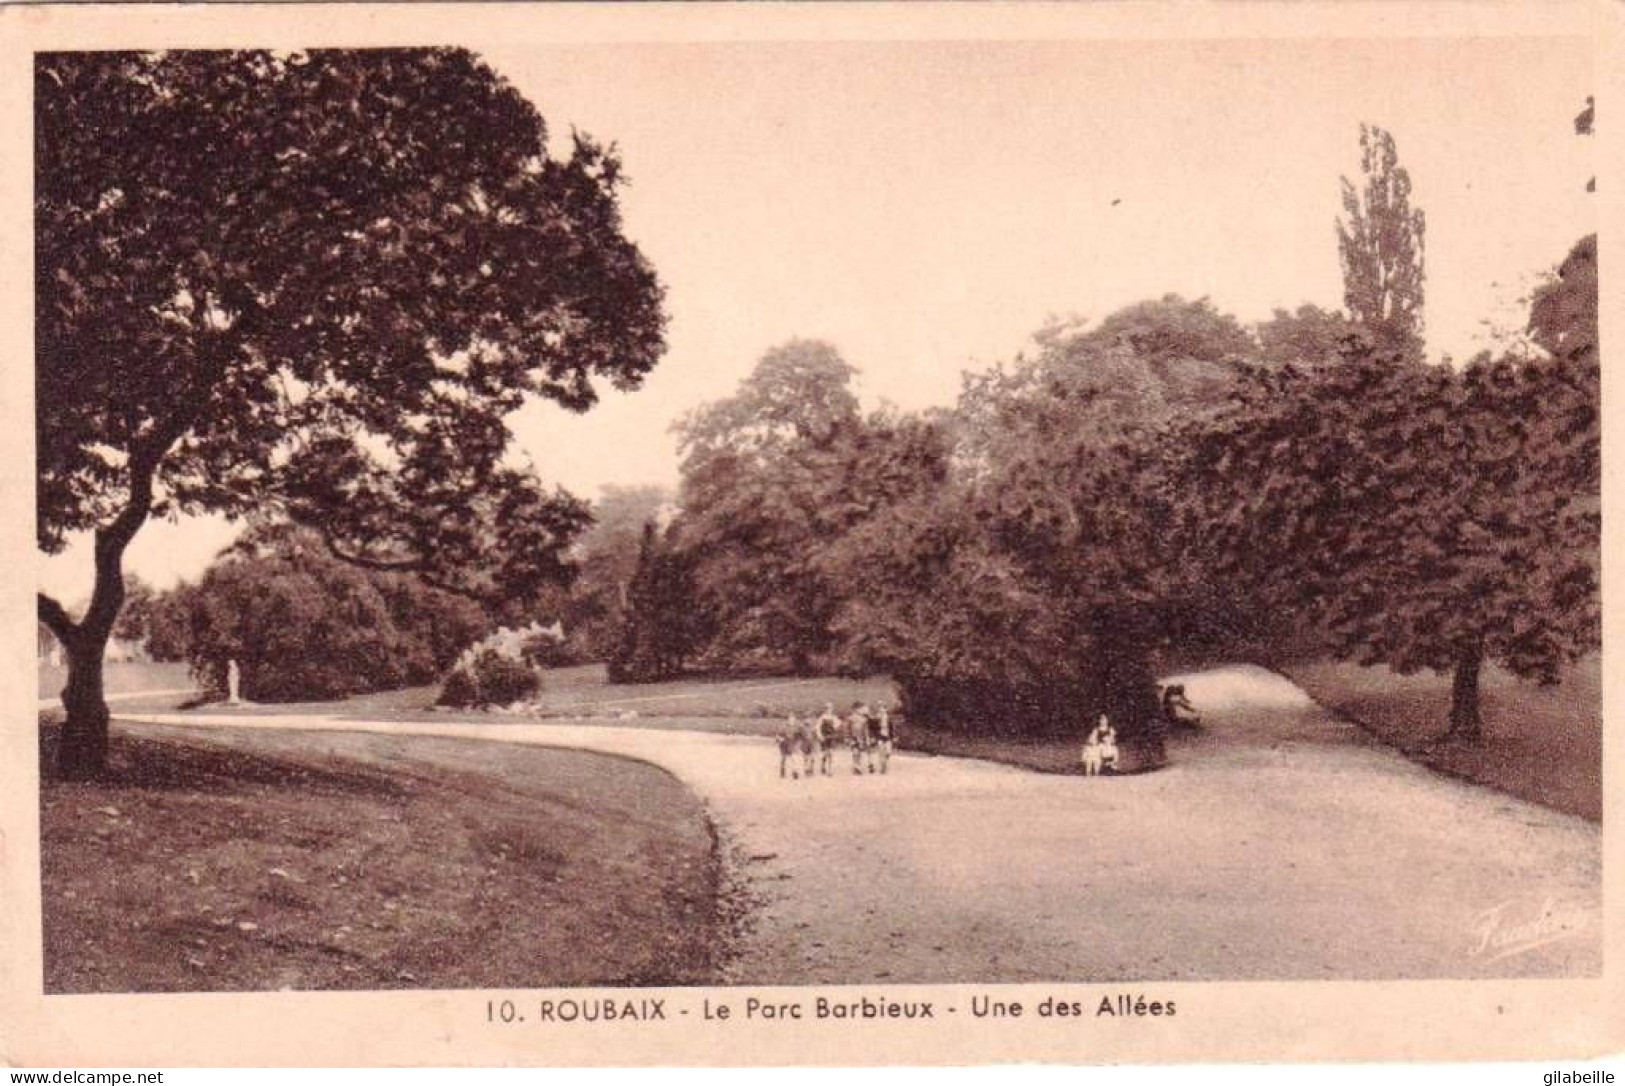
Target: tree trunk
pixel 1465 721
pixel 83 752
pixel 1126 692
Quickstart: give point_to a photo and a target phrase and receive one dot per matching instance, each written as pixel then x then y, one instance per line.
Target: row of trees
pixel 1166 482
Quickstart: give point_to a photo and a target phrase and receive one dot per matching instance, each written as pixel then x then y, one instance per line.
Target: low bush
pixel 489 678
pixel 500 669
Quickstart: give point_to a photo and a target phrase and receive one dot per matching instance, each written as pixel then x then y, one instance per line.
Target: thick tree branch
pixel 56 619
pixel 418 567
pixel 378 565
pixel 482 598
pixel 112 540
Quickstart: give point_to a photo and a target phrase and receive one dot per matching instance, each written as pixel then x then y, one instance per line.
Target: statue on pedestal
pixel 234 680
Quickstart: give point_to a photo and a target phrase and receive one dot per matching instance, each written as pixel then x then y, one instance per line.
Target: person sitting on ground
pixel 1177 709
pixel 1100 748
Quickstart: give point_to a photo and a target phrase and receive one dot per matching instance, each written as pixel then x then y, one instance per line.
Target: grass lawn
pixel 570 691
pixel 127 678
pixel 1542 744
pixel 266 860
pixel 584 691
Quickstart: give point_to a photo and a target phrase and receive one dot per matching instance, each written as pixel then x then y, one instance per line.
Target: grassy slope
pixel 1541 744
pixel 258 860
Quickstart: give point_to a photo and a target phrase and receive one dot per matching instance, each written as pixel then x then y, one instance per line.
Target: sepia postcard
pixel 809 534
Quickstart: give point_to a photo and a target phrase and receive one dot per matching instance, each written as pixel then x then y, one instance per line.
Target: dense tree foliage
pixel 1563 310
pixel 659 627
pixel 169 624
pixel 1073 502
pixel 315 283
pixel 607 558
pixel 1307 336
pixel 754 477
pixel 1166 483
pixel 1414 515
pixel 136 618
pixel 305 626
pixel 1023 580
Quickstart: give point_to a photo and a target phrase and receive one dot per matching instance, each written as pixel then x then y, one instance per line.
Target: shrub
pixel 984 707
pixel 500 669
pixel 460 688
pixel 489 678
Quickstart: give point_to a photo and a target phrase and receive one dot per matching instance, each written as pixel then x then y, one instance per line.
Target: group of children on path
pixel 809 742
pixel 866 730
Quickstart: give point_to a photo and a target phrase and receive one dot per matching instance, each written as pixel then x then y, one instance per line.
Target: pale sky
pixel 927 206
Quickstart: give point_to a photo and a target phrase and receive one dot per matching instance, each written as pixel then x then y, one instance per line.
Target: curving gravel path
pixel 1281 844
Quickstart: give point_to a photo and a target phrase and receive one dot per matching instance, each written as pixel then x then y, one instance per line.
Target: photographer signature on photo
pixel 1514 927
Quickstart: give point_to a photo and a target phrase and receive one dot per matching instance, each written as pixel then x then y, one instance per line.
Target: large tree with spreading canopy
pixel 1026 580
pixel 314 284
pixel 1414 515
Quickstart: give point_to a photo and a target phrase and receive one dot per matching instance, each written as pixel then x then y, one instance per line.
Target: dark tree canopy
pixel 607 559
pixel 1028 588
pixel 1170 334
pixel 1413 515
pixel 304 626
pixel 798 392
pixel 1380 242
pixel 316 283
pixel 659 625
pixel 755 480
pixel 1563 311
pixel 1139 368
pixel 317 279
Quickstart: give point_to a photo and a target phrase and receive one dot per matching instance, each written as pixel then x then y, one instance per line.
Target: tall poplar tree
pixel 1380 243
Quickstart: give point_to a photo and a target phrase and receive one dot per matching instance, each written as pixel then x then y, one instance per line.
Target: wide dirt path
pixel 1281 844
